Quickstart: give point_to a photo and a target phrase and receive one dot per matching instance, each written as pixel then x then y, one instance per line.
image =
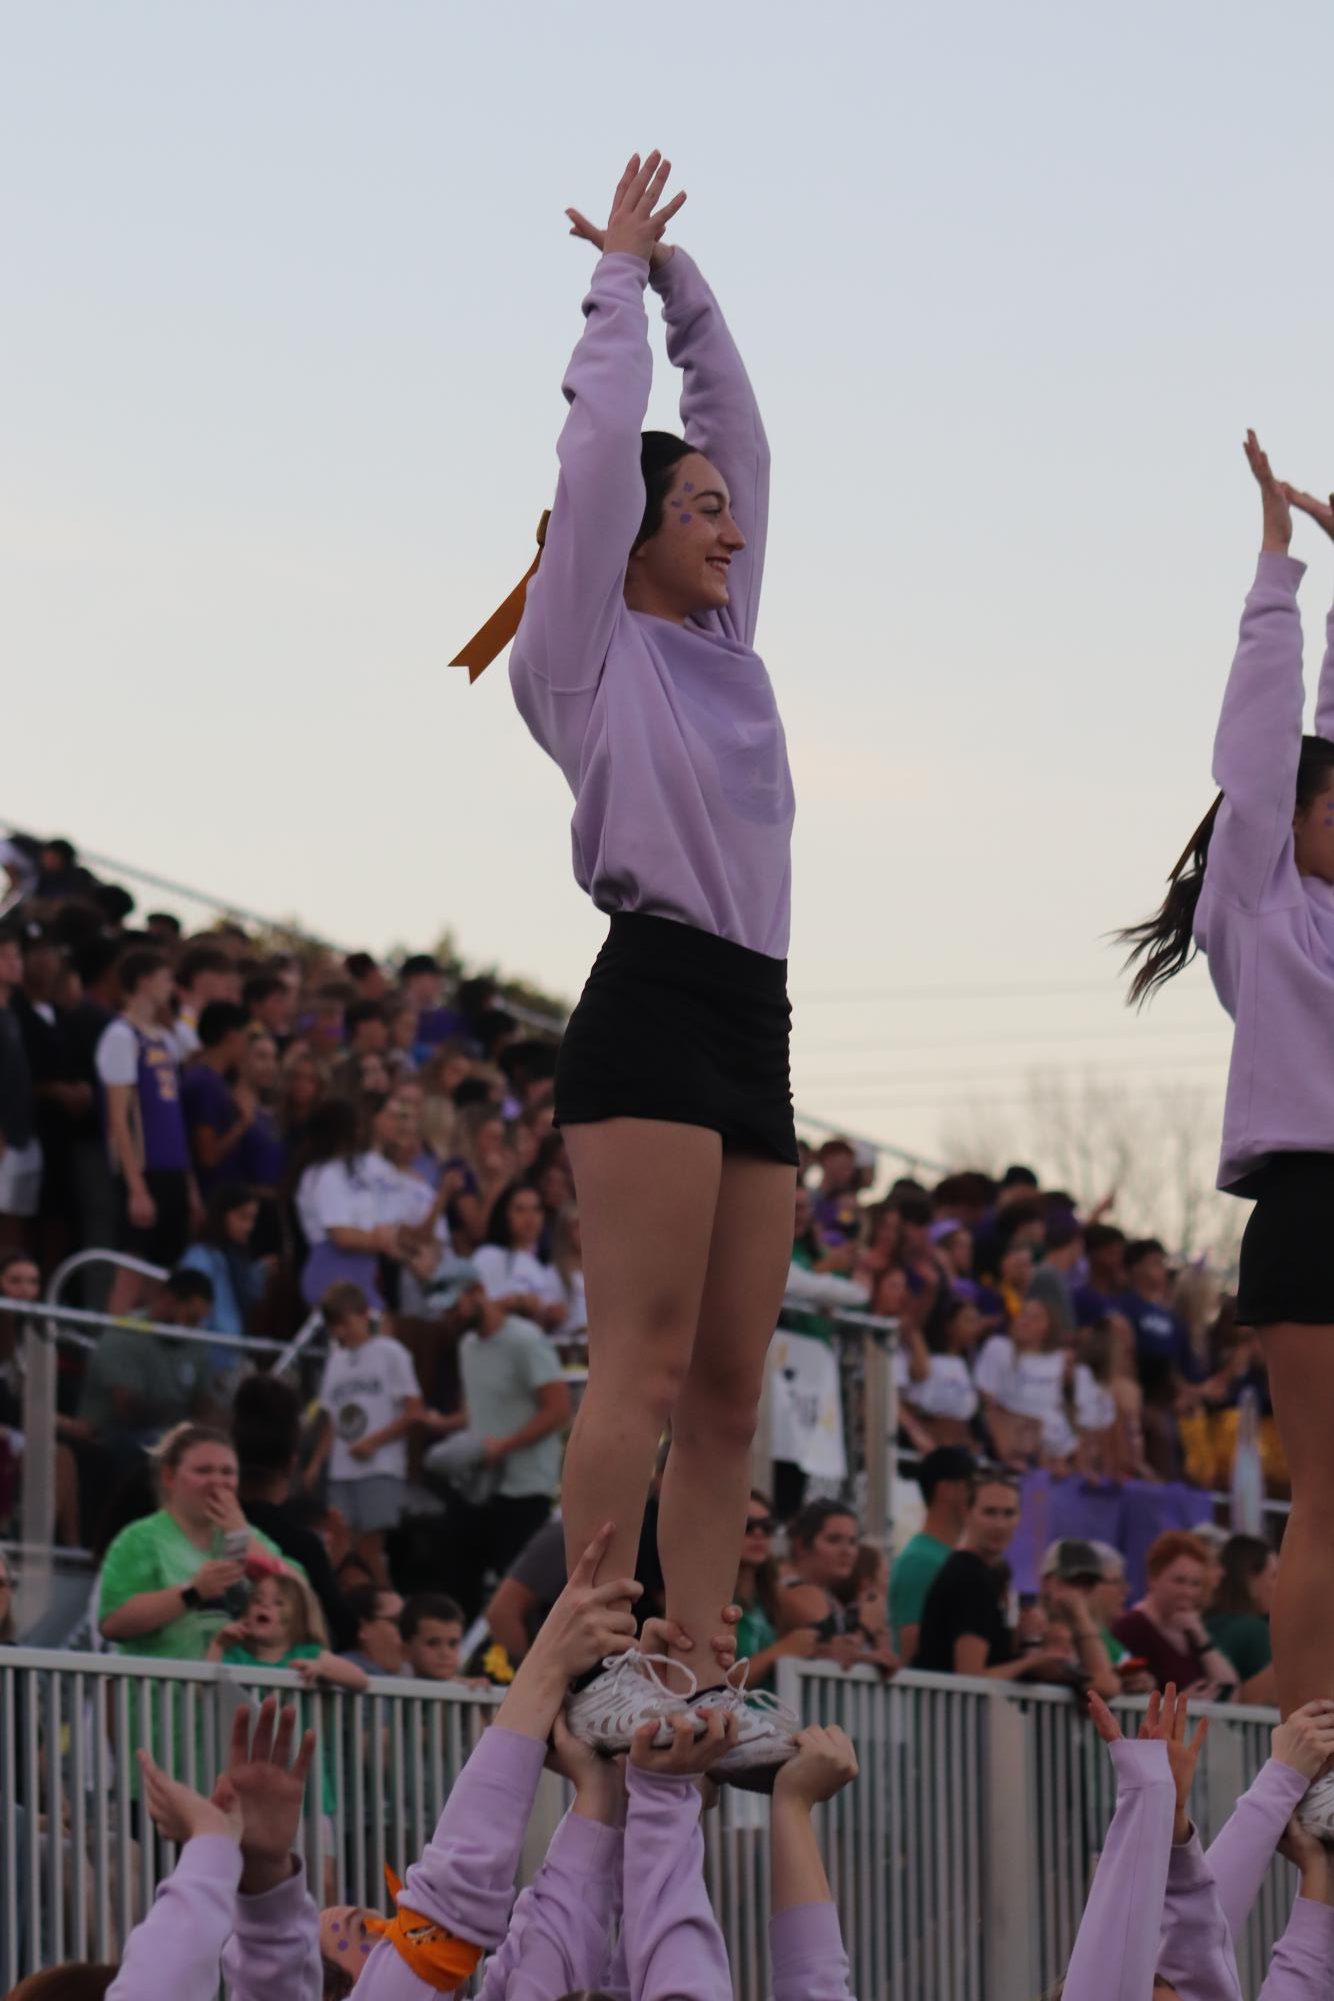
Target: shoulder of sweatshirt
pixel 1138 1764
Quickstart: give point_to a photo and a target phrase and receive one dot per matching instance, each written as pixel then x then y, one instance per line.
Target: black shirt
pixel 282 1523
pixel 967 1596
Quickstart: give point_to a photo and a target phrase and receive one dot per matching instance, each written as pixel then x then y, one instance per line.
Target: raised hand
pixel 825 1762
pixel 1166 1720
pixel 1104 1722
pixel 589 1621
pixel 688 1756
pixel 1274 498
pixel 269 1786
pixel 632 225
pixel 179 1813
pixel 1319 510
pixel 1306 1740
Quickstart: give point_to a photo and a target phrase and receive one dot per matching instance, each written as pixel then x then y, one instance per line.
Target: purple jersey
pixel 166 1149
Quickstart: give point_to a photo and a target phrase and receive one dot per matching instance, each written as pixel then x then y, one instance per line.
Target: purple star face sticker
pixel 686 519
pixel 690 486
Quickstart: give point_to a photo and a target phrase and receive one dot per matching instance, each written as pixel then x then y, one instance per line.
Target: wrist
pixel 599 1798
pixel 262 1873
pixel 1182 1829
pixel 1275 545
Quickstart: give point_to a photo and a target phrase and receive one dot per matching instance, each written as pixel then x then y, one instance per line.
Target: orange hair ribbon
pixel 432 1953
pixel 503 623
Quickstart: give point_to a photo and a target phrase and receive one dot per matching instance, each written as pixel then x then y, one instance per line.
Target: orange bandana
pixel 432 1953
pixel 503 623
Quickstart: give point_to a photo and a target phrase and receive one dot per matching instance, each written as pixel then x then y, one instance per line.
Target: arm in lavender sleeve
pixel 673 1948
pixel 465 1879
pixel 1195 1950
pixel 807 1955
pixel 576 597
pixel 1303 1957
pixel 721 419
pixel 177 1948
pixel 560 1936
pixel 1241 1852
pixel 1324 700
pixel 1116 1950
pixel 1259 738
pixel 274 1952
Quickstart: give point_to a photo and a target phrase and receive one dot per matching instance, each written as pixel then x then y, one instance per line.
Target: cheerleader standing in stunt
pixel 1255 891
pixel 634 668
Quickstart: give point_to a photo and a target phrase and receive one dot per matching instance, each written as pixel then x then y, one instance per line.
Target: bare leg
pixel 1301 1381
pixel 647 1192
pixel 702 1513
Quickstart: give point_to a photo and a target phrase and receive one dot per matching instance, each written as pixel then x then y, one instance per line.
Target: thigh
pixel 1300 1361
pixel 647 1191
pixel 750 1253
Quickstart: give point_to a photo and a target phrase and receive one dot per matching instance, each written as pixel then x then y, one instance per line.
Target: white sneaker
pixel 631 1690
pixel 767 1732
pixel 1316 1812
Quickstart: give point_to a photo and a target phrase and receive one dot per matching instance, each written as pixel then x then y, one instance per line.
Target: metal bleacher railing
pixel 960 1859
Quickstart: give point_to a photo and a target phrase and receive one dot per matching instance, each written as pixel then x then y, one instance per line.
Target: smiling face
pixel 1178 1591
pixel 682 568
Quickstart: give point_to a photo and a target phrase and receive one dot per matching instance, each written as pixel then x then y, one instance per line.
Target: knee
pixel 716 1417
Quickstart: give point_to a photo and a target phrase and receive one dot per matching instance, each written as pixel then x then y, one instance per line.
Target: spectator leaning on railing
pixel 1167 1628
pixel 965 1628
pixel 945 1477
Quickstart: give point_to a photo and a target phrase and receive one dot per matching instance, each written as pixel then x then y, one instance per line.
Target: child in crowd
pixel 432 1627
pixel 1024 1377
pixel 274 1632
pixel 372 1398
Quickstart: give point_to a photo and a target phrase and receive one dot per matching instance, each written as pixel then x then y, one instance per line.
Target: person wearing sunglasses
pixel 756 1592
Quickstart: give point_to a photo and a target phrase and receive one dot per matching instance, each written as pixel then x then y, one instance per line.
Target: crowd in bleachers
pixel 281 1133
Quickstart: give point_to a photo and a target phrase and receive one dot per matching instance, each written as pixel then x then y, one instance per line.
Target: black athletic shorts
pixel 677 1024
pixel 1287 1252
pixel 166 1238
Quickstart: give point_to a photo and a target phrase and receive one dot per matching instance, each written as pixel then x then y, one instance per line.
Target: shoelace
pixel 647 1667
pixel 760 1701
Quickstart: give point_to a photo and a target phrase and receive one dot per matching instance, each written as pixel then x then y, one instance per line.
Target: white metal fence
pixel 960 1860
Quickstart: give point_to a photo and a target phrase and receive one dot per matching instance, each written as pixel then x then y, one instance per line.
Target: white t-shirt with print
pixel 947 1392
pixel 1095 1406
pixel 363 1390
pixel 1027 1385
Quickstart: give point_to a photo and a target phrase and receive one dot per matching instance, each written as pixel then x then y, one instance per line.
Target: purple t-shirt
pixel 262 1156
pixel 206 1101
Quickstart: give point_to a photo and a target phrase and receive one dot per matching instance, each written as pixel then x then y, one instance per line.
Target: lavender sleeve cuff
pixel 274 1952
pixel 807 1954
pixel 1240 1854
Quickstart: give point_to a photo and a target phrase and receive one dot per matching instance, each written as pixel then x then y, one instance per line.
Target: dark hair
pixel 62 849
pixel 1143 1247
pixel 198 959
pixel 94 958
pixel 813 1517
pixel 472 1091
pixel 1243 1558
pixel 266 1424
pixel 498 1231
pixel 136 967
pixel 219 1020
pixel 358 1011
pixel 1101 1237
pixel 333 1132
pixel 338 1981
pixel 362 1600
pixel 223 1202
pixel 947 1462
pixel 992 1477
pixel 1019 1176
pixel 343 1298
pixel 659 453
pixel 428 1605
pixel 77 1981
pixel 186 1285
pixel 418 962
pixel 1064 1230
pixel 1016 1217
pixel 165 922
pixel 259 988
pixel 359 965
pixel 1162 944
pixel 915 1210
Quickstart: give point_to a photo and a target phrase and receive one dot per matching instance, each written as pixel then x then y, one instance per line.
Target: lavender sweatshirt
pixel 1116 1951
pixel 1209 1897
pixel 668 735
pixel 1267 932
pixel 269 1946
pixel 465 1879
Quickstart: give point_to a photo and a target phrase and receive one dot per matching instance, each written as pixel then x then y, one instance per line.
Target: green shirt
pixel 1115 1651
pixel 1244 1638
pixel 502 1373
pixel 241 1657
pixel 163 1379
pixel 155 1554
pixel 911 1576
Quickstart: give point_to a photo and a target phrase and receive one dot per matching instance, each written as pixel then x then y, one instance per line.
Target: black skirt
pixel 1287 1252
pixel 676 1024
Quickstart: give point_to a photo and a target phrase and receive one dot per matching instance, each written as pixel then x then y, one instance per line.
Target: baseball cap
pixel 451 1282
pixel 1071 1559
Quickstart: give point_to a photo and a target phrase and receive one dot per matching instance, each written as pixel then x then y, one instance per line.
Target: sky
pixel 287 297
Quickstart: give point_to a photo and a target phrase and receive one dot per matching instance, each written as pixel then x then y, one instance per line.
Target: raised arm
pixel 1304 1956
pixel 1259 740
pixel 1321 511
pixel 721 419
pixel 1242 1850
pixel 575 598
pixel 674 1949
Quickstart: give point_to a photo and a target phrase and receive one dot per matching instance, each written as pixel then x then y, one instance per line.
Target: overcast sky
pixel 287 299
